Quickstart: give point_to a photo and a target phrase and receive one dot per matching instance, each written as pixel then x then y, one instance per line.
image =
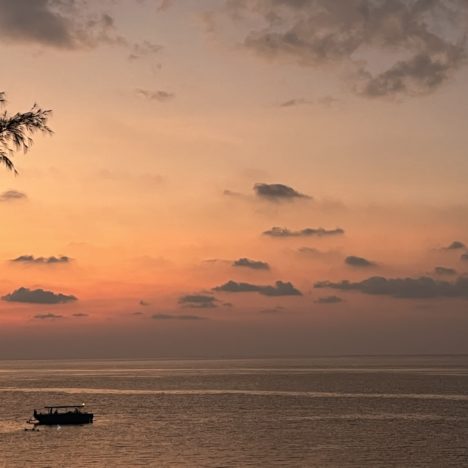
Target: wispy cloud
pixel 198 301
pixel 307 232
pixel 177 317
pixel 329 300
pixel 158 95
pixel 12 195
pixel 444 271
pixel 48 317
pixel 359 262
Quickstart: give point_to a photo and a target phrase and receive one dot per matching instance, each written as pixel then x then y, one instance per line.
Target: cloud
pixel 144 49
pixel 273 310
pixel 410 288
pixel 358 262
pixel 279 289
pixel 80 315
pixel 30 259
pixel 391 47
pixel 63 24
pixel 296 102
pixel 443 271
pixel 277 192
pixel 144 303
pixel 464 257
pixel 177 317
pixel 230 193
pixel 329 300
pixel 326 101
pixel 252 264
pixel 159 95
pixel 455 245
pixel 48 317
pixel 165 5
pixel 198 301
pixel 421 74
pixel 307 232
pixel 316 254
pixel 38 296
pixel 12 195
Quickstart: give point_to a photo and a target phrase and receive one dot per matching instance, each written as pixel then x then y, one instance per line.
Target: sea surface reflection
pixel 324 412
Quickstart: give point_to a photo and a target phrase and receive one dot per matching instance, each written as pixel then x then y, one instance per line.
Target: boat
pixel 62 416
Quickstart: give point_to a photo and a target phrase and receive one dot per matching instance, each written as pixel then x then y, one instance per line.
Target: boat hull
pixel 64 419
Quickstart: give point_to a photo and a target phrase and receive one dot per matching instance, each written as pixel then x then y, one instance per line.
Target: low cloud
pixel 329 300
pixel 177 317
pixel 252 264
pixel 464 257
pixel 144 49
pixel 277 192
pixel 231 193
pixel 273 311
pixel 296 102
pixel 159 95
pixel 359 262
pixel 316 254
pixel 279 289
pixel 80 315
pixel 443 271
pixel 38 296
pixel 198 301
pixel 12 195
pixel 326 101
pixel 455 245
pixel 307 232
pixel 48 317
pixel 31 260
pixel 409 288
pixel 144 303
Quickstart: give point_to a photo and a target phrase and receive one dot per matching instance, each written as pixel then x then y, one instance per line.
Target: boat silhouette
pixel 62 415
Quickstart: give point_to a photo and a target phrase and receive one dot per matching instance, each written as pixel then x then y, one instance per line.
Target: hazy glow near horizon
pixel 236 178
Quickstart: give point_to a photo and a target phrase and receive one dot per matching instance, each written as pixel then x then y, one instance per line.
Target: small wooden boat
pixel 62 416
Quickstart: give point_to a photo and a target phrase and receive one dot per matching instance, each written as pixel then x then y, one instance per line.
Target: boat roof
pixel 65 406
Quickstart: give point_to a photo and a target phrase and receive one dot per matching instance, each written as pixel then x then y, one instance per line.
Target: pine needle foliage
pixel 16 131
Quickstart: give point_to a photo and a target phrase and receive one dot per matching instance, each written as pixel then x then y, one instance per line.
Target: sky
pixel 236 178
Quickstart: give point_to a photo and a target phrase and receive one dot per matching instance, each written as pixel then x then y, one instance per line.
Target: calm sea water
pixel 339 412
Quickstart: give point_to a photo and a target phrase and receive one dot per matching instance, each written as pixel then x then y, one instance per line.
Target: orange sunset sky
pixel 185 131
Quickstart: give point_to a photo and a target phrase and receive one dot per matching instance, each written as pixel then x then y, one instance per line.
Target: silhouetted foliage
pixel 16 131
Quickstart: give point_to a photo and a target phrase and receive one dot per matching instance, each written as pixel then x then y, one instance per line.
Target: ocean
pixel 318 412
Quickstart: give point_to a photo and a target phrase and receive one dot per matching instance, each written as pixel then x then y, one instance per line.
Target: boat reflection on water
pixel 62 416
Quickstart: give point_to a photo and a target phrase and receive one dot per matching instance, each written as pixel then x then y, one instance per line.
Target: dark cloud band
pixel 410 288
pixel 279 289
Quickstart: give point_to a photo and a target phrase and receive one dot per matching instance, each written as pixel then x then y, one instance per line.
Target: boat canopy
pixel 65 406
